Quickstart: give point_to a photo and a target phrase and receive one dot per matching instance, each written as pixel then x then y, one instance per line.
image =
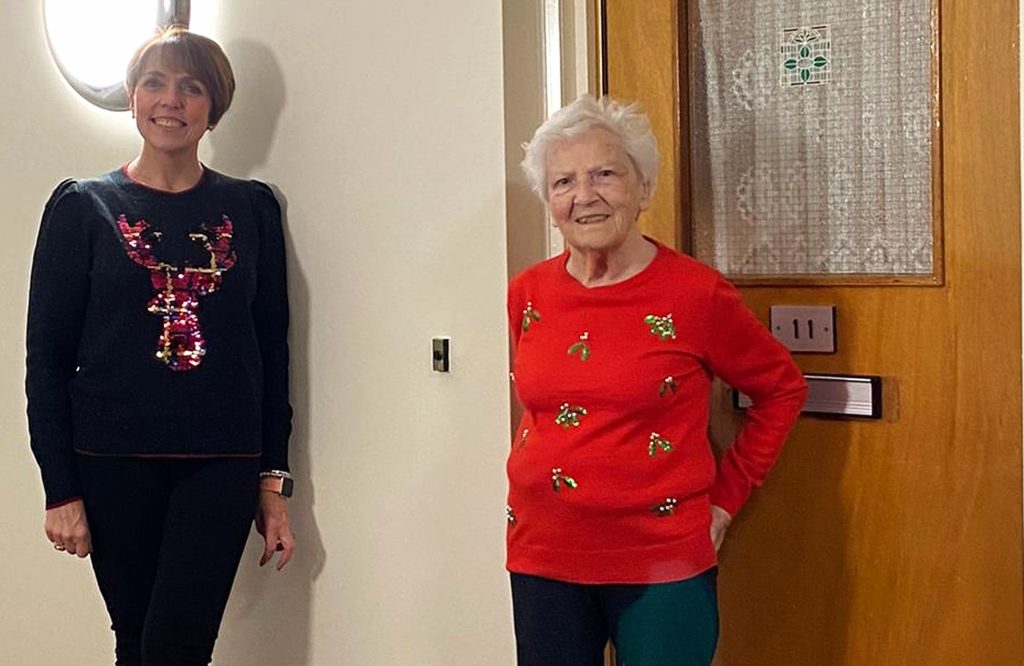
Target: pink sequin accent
pixel 181 345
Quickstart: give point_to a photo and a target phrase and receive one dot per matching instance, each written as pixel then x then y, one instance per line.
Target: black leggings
pixel 167 535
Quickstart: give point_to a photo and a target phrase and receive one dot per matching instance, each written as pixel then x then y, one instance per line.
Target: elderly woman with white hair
pixel 616 505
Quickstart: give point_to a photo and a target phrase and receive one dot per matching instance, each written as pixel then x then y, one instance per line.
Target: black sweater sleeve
pixel 58 296
pixel 270 316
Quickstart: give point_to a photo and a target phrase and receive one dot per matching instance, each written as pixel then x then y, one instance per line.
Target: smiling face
pixel 594 191
pixel 171 106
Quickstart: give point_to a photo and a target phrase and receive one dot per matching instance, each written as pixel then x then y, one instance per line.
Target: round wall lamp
pixel 91 41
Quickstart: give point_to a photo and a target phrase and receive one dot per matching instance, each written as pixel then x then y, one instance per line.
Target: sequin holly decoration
pixel 529 316
pixel 181 345
pixel 558 479
pixel 656 443
pixel 581 347
pixel 666 508
pixel 661 326
pixel 667 384
pixel 510 515
pixel 569 415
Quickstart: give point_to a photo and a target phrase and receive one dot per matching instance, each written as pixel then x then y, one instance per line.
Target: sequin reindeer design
pixel 181 345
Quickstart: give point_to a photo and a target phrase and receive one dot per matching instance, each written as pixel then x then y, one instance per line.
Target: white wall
pixel 381 124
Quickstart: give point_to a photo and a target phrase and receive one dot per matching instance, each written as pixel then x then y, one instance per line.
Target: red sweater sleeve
pixel 742 351
pixel 514 327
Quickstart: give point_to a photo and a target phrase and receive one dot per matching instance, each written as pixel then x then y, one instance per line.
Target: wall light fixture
pixel 91 41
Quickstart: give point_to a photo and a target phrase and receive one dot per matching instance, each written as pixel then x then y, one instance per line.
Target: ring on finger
pixel 59 547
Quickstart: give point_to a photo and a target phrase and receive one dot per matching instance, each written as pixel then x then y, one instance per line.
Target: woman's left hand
pixel 720 520
pixel 272 523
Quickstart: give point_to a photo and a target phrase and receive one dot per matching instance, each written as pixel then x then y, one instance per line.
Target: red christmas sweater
pixel 611 474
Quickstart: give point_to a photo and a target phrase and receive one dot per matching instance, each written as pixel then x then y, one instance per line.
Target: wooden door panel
pixel 645 44
pixel 896 541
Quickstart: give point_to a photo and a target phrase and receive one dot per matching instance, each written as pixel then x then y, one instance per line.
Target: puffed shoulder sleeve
pixel 270 317
pixel 58 296
pixel 743 352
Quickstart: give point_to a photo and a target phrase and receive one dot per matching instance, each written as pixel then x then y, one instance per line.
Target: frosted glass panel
pixel 812 137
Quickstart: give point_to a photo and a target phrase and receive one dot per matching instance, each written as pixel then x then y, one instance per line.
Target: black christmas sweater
pixel 157 326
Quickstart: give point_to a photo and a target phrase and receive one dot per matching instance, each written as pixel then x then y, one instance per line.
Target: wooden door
pixel 893 542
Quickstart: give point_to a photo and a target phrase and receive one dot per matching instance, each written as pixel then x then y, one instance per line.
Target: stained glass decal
pixel 806 56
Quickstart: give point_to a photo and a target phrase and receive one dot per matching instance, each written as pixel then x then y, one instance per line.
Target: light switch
pixel 439 354
pixel 805 328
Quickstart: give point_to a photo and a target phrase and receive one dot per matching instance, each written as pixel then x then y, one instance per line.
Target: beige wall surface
pixel 381 125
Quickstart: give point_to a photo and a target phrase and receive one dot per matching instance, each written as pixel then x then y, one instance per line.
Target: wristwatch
pixel 277 481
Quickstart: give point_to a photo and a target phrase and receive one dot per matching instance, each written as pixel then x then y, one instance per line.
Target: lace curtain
pixel 812 133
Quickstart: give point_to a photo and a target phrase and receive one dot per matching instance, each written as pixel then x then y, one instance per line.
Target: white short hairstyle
pixel 626 121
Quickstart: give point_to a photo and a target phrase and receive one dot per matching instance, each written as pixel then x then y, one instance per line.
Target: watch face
pixel 286 487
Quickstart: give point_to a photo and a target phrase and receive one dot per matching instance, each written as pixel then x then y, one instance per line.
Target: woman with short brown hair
pixel 157 366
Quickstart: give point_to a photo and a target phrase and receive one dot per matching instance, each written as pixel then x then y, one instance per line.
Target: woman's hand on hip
pixel 67 528
pixel 720 520
pixel 272 523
